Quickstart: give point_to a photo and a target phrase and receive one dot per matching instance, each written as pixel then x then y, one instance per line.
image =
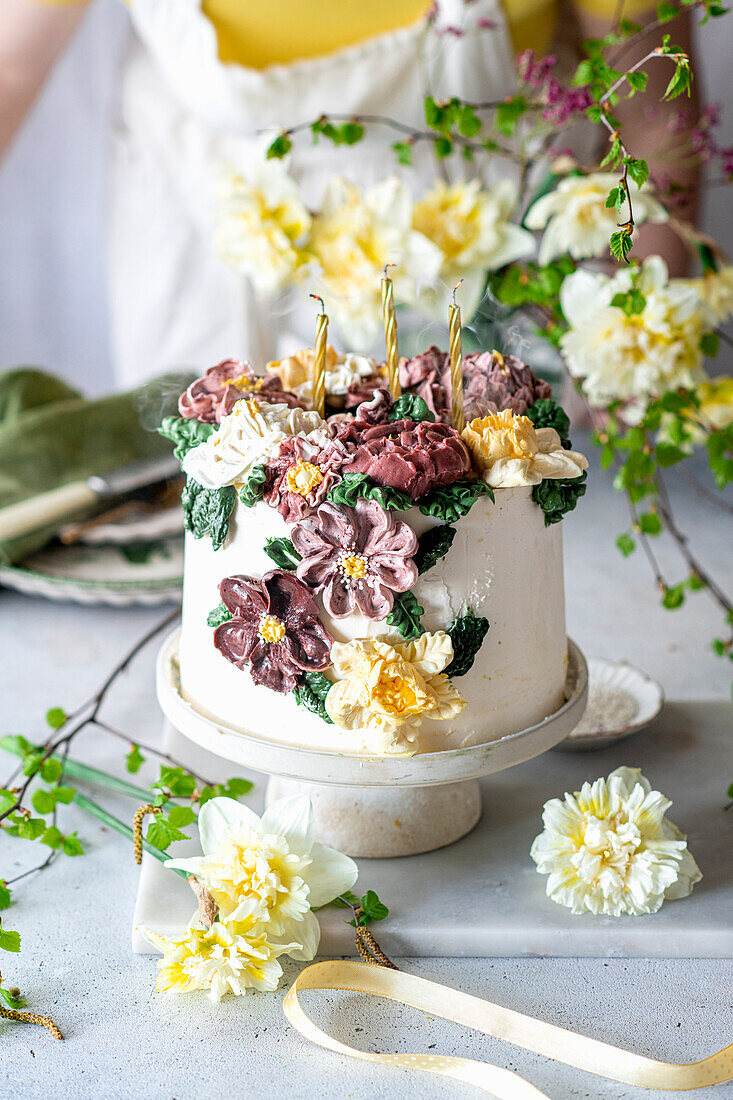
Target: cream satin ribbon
pixel 502 1023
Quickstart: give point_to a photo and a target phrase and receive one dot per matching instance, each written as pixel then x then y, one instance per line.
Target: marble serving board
pixel 482 897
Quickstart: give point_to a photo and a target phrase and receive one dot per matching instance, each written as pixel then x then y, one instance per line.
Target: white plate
pixel 118 575
pixel 646 693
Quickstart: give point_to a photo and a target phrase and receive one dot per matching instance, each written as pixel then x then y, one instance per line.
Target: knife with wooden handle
pixel 69 501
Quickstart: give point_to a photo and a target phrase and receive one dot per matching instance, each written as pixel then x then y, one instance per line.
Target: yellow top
pixel 257 35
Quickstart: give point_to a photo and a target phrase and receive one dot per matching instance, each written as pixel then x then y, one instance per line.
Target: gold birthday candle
pixel 318 392
pixel 390 334
pixel 456 362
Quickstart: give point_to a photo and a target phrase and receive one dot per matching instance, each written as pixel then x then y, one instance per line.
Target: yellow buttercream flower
pixel 391 688
pixel 509 451
pixel 297 368
pixel 501 435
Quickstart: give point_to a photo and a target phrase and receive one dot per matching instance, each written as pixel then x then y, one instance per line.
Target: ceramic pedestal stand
pixel 384 805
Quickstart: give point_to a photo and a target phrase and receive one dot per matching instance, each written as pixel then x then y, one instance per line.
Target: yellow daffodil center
pixel 245 384
pixel 353 565
pixel 303 477
pixel 271 629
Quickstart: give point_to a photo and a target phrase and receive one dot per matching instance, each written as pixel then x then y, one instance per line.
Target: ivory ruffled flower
pixel 576 219
pixel 233 957
pixel 471 227
pixel 269 868
pixel 249 435
pixel 610 849
pixel 389 689
pixel 633 356
pixel 509 451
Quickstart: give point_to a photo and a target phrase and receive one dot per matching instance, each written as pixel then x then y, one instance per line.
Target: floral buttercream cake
pixel 374 581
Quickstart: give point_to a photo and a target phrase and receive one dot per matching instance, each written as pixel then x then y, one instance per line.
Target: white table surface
pixel 123 1040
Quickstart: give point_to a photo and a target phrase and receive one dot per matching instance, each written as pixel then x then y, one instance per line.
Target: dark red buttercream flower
pixel 274 629
pixel 214 395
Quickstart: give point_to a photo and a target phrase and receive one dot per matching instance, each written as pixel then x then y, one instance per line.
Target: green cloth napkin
pixel 50 435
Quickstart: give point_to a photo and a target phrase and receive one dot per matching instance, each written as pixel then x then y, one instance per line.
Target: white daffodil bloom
pixel 577 221
pixel 249 435
pixel 633 356
pixel 610 849
pixel 273 862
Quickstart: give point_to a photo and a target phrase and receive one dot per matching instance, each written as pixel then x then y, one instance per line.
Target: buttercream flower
pixel 274 629
pixel 389 689
pixel 491 382
pixel 214 395
pixel 247 437
pixel 639 355
pixel 358 556
pixel 270 868
pixel 716 290
pixel 353 237
pixel 509 451
pixel 471 227
pixel 342 373
pixel 304 469
pixel 263 224
pixel 411 457
pixel 576 219
pixel 610 849
pixel 232 957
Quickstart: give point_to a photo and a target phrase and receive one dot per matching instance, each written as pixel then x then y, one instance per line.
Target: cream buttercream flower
pixel 232 957
pixel 270 868
pixel 716 290
pixel 637 356
pixel 263 224
pixel 249 435
pixel 471 226
pixel 391 688
pixel 353 237
pixel 510 451
pixel 609 848
pixel 577 219
pixel 342 371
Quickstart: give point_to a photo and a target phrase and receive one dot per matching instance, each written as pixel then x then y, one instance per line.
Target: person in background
pixel 202 77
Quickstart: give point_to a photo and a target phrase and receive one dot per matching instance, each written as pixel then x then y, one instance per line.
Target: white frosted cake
pixel 374 582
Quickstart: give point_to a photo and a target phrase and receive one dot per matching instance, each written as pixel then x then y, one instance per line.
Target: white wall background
pixel 52 200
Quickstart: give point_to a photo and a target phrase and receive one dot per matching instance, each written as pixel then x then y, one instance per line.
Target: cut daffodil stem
pixel 74 769
pixel 120 827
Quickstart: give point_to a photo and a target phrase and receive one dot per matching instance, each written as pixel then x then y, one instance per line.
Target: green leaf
pixel 161 833
pixel 283 553
pixel 638 170
pixel 557 497
pixel 176 782
pixel 508 114
pixel 9 941
pixel 665 12
pixel 7 798
pixel 467 633
pixel 681 81
pixel 51 770
pixel 620 245
pixel 11 1001
pixel 666 454
pixel 353 486
pixel 254 487
pixel 352 133
pixel 14 743
pixel 405 615
pixel 650 524
pixel 637 81
pixel 5 898
pixel 43 801
pixel 180 816
pixel 674 597
pixel 443 147
pixel 546 413
pixel 616 198
pixel 72 846
pixel 469 124
pixel 53 838
pixel 625 544
pixel 433 545
pixel 403 151
pixel 410 407
pixel 134 760
pixel 449 502
pixel 218 615
pixel 632 301
pixel 56 717
pixel 710 344
pixel 372 909
pixel 279 148
pixel 31 763
pixel 311 693
pixel 185 432
pixel 207 511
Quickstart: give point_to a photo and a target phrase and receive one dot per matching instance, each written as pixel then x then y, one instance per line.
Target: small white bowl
pixel 646 693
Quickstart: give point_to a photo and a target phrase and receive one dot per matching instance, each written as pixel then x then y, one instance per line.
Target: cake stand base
pixel 387 821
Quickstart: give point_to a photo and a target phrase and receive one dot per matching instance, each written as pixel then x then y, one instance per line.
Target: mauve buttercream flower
pixel 274 629
pixel 358 556
pixel 214 395
pixel 303 471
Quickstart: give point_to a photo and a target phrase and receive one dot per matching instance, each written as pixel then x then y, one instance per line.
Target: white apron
pixel 183 113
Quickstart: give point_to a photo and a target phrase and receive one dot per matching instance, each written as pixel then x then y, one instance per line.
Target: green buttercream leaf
pixel 283 553
pixel 311 693
pixel 218 615
pixel 558 496
pixel 253 488
pixel 548 414
pixel 185 433
pixel 353 486
pixel 207 511
pixel 467 632
pixel 449 502
pixel 433 545
pixel 410 407
pixel 405 615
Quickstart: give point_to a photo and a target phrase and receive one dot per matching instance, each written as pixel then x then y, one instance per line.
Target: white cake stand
pixel 381 805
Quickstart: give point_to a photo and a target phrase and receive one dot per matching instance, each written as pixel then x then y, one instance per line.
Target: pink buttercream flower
pixel 304 470
pixel 274 629
pixel 358 556
pixel 214 395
